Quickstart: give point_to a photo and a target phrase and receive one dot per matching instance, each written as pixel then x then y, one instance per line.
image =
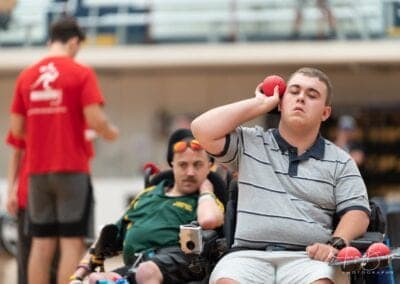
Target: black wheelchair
pixel 109 245
pixel 366 272
pixel 8 233
pixel 206 247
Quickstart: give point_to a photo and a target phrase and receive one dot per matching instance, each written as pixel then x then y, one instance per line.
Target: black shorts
pixel 59 204
pixel 175 266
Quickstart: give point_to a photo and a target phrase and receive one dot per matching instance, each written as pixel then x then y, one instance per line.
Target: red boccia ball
pixel 269 84
pixel 348 253
pixel 377 249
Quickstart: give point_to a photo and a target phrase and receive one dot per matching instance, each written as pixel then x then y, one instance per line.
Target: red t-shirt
pixel 51 95
pixel 22 190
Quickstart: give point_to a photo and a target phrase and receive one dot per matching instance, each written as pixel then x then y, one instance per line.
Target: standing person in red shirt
pixel 17 195
pixel 17 178
pixel 55 100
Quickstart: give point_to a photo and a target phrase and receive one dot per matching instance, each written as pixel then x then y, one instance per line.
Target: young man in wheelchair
pixel 292 182
pixel 149 229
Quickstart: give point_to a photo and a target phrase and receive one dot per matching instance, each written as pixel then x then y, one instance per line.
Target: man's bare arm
pixel 17 125
pixel 14 167
pixel 209 212
pixel 97 120
pixel 352 225
pixel 211 127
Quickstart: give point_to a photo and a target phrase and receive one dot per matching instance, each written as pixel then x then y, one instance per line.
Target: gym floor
pixel 8 267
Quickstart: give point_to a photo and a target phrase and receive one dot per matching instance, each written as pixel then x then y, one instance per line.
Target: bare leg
pixel 41 256
pixel 96 276
pixel 327 13
pixel 226 281
pixel 298 20
pixel 297 23
pixel 149 273
pixel 71 252
pixel 323 281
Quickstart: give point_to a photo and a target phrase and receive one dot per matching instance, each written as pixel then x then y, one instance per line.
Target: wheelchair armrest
pixel 209 240
pixel 366 240
pixel 209 235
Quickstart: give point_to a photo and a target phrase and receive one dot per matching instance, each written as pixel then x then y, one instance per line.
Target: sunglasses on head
pixel 181 146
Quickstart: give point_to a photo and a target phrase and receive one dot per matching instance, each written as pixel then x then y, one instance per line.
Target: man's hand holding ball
pixel 271 90
pixel 269 84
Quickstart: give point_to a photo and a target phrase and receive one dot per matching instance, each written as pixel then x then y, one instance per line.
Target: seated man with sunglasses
pixel 150 226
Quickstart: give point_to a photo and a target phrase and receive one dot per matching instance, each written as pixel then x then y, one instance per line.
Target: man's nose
pixel 301 96
pixel 190 171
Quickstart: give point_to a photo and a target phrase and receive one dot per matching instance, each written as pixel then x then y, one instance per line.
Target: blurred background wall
pixel 158 61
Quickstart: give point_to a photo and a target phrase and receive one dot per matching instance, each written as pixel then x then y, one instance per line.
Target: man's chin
pixel 189 188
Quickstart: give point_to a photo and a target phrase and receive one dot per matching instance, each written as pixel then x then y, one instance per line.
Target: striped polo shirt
pixel 285 199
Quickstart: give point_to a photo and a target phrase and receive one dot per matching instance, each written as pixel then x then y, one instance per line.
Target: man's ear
pixel 73 40
pixel 326 113
pixel 211 165
pixel 74 43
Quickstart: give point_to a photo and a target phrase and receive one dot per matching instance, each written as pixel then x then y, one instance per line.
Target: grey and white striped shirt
pixel 285 199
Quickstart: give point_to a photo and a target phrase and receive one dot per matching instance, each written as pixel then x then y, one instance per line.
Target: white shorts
pixel 283 267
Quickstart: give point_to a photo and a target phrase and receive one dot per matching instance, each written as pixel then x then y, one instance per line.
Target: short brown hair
pixel 316 73
pixel 66 28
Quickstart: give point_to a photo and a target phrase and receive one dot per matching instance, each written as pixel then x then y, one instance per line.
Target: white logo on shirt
pixel 49 74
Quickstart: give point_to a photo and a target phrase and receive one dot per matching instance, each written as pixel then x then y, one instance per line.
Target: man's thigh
pixel 246 266
pixel 306 270
pixel 175 266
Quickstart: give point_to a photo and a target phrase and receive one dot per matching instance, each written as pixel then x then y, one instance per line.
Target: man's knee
pixel 323 281
pixel 96 276
pixel 43 248
pixel 226 281
pixel 72 246
pixel 148 270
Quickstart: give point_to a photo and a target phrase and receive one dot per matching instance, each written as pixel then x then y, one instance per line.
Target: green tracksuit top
pixel 152 220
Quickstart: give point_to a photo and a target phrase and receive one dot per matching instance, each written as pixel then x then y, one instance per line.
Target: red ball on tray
pixel 377 249
pixel 269 84
pixel 348 253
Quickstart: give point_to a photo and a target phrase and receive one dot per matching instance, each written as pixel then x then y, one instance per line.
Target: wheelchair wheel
pixel 8 234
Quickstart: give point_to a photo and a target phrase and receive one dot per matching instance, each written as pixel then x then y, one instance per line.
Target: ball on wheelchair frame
pixel 348 253
pixel 377 249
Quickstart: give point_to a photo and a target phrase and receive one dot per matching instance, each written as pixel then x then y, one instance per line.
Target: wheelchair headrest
pixel 167 175
pixel 377 220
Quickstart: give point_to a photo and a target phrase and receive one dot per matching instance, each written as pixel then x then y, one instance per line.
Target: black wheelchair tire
pixel 8 234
